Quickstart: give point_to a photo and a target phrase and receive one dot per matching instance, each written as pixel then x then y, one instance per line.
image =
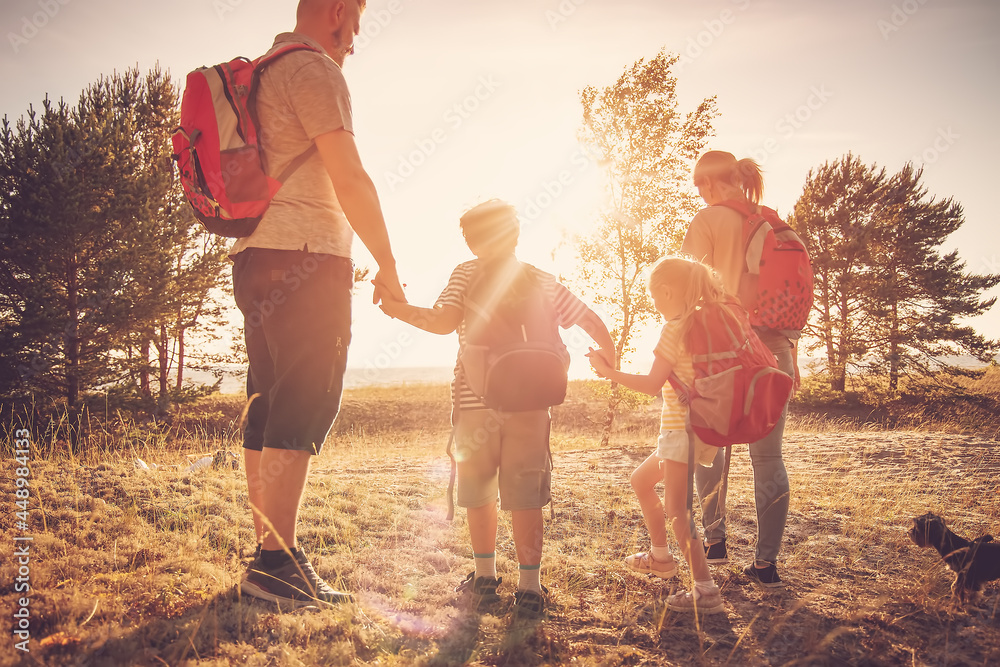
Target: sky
pixel 458 101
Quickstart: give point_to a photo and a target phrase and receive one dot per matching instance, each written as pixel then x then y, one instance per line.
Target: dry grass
pixel 140 567
pixel 942 403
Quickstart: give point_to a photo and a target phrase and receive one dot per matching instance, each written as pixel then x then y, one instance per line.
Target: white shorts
pixel 673 446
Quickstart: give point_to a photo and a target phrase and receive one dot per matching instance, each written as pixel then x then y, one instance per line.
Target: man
pixel 292 279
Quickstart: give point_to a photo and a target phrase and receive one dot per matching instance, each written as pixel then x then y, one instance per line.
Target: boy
pixel 500 452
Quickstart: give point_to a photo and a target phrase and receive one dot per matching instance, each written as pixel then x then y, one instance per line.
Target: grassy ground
pixel 141 567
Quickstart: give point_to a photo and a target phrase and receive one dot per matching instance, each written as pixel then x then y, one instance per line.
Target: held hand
pixel 391 307
pixel 608 356
pixel 598 362
pixel 387 286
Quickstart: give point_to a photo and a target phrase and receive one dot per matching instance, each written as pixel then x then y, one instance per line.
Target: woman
pixel 715 236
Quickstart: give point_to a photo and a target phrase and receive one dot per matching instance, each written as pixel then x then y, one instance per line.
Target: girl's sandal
pixel 644 563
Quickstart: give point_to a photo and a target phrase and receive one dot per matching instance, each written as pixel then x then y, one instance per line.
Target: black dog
pixel 974 562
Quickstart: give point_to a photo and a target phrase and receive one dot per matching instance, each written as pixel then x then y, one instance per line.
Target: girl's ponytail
pixel 751 179
pixel 723 167
pixel 705 285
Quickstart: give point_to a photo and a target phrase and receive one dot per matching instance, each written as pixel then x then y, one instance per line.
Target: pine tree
pixel 887 299
pixel 88 211
pixel 919 293
pixel 635 130
pixel 836 217
pixel 72 198
pixel 191 305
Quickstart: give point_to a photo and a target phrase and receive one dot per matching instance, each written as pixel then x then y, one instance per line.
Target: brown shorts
pixel 297 321
pixel 506 454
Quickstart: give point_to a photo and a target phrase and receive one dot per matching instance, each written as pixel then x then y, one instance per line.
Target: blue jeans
pixel 769 476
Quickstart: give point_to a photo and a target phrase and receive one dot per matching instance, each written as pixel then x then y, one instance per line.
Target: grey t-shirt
pixel 302 95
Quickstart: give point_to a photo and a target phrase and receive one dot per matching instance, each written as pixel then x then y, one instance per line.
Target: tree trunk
pixel 609 416
pixel 838 380
pixel 183 326
pixel 614 399
pixel 72 351
pixel 144 387
pixel 71 341
pixel 163 372
pixel 180 358
pixel 828 337
pixel 894 348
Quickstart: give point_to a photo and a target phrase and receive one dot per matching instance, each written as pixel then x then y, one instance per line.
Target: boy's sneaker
pixel 295 583
pixel 530 604
pixel 644 563
pixel 482 589
pixel 765 576
pixel 705 603
pixel 716 554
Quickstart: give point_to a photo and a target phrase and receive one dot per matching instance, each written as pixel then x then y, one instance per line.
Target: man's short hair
pixel 301 9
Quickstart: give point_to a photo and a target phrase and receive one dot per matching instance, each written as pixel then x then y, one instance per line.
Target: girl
pixel 678 286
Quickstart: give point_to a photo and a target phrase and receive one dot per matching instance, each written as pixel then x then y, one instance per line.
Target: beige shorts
pixel 673 446
pixel 504 454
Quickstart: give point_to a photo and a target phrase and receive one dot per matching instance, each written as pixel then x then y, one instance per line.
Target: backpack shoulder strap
pixel 259 65
pixel 753 221
pixel 278 51
pixel 531 273
pixel 773 219
pixel 497 278
pixel 744 208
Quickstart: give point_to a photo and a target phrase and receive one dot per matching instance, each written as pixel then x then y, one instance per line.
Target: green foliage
pixel 361 274
pixel 816 392
pixel 967 402
pixel 129 397
pixel 835 216
pixel 100 258
pixel 919 293
pixel 192 305
pixel 887 301
pixel 647 147
pixel 627 399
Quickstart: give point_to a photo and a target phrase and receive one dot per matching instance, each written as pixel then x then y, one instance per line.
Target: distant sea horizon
pixel 234 375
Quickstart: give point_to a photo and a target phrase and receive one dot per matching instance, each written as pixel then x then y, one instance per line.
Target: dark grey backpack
pixel 514 358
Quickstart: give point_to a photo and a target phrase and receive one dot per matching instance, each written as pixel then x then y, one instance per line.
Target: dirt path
pixel 859 592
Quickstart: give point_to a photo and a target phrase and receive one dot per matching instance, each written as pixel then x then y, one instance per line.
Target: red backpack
pixel 217 146
pixel 739 393
pixel 777 286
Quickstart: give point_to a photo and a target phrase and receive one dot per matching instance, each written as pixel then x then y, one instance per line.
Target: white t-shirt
pixel 715 237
